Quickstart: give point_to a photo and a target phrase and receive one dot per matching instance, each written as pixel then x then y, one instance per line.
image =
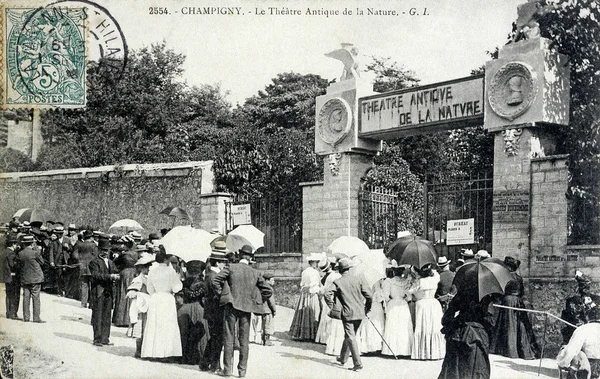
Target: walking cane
pixel 383 339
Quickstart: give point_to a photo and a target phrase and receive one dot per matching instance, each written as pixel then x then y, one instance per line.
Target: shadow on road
pixel 324 361
pixel 533 368
pixel 304 345
pixel 74 337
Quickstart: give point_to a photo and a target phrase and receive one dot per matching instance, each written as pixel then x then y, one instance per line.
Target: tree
pixel 12 160
pixel 389 76
pixel 288 102
pixel 573 27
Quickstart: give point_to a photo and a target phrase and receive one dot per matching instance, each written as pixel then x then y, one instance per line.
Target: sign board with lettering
pixel 511 206
pixel 460 232
pixel 240 214
pixel 446 105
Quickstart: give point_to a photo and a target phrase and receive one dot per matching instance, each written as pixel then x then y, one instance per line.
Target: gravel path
pixel 64 344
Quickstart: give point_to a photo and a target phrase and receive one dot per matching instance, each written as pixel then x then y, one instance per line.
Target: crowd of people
pixel 193 312
pixel 188 312
pixel 419 313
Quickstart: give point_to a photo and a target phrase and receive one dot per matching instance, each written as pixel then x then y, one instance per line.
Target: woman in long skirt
pixel 335 328
pixel 370 341
pixel 428 342
pixel 306 317
pixel 327 268
pixel 126 265
pixel 162 338
pixel 513 335
pixel 399 333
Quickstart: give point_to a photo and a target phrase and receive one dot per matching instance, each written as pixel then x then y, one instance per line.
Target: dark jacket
pixel 445 286
pixel 352 293
pixel 9 266
pixel 102 284
pixel 30 264
pixel 242 280
pixel 212 308
pixel 60 252
pixel 83 253
pixel 269 305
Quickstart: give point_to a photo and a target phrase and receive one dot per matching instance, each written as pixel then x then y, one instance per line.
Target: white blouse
pixel 163 279
pixel 311 280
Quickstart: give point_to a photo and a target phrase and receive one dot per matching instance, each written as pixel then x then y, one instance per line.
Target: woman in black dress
pixel 513 335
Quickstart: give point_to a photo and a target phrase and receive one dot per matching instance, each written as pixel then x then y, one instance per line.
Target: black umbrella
pixel 482 278
pixel 398 247
pixel 176 212
pixel 36 214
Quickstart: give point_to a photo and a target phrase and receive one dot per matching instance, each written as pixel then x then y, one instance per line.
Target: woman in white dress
pixel 398 333
pixel 370 340
pixel 326 267
pixel 306 317
pixel 429 341
pixel 161 334
pixel 335 328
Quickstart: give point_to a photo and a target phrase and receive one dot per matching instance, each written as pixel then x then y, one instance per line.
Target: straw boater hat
pixel 482 254
pixel 345 264
pixel 136 236
pixel 27 239
pixel 443 262
pixel 468 253
pixel 72 227
pixel 219 252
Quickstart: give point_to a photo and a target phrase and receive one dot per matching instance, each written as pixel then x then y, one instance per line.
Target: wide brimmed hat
pixel 87 234
pixel 219 247
pixel 443 261
pixel 247 250
pixel 72 227
pixel 136 236
pixel 345 264
pixel 145 259
pixel 468 253
pixel 316 257
pixel 482 254
pixel 58 229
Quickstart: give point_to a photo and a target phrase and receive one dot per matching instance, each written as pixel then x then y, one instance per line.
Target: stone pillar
pixel 527 91
pixel 209 214
pixel 36 135
pixel 330 208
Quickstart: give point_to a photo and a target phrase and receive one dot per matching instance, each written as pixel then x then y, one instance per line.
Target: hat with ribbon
pixel 26 224
pixel 145 259
pixel 27 239
pixel 72 227
pixel 482 254
pixel 58 229
pixel 219 247
pixel 136 236
pixel 468 253
pixel 443 261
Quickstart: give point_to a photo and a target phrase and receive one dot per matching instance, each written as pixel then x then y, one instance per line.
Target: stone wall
pixel 330 208
pixel 102 195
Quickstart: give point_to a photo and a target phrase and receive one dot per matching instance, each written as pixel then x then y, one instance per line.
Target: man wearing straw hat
pixel 445 291
pixel 351 291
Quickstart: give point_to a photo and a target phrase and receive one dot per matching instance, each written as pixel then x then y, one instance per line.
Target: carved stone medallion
pixel 512 90
pixel 334 121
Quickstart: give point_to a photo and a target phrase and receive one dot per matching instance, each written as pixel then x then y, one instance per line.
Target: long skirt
pixel 467 353
pixel 306 317
pixel 324 322
pixel 513 335
pixel 370 341
pixel 399 333
pixel 194 333
pixel 122 303
pixel 428 342
pixel 335 337
pixel 161 335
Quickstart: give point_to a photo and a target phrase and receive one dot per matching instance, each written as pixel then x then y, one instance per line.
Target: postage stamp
pixel 44 63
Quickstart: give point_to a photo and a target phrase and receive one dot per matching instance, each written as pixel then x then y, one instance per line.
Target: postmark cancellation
pixel 44 57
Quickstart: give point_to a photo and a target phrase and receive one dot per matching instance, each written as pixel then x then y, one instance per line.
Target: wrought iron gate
pixel 278 217
pixel 469 197
pixel 378 216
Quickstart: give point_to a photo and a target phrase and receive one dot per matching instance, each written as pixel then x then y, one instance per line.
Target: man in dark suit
pixel 445 291
pixel 213 311
pixel 243 299
pixel 32 277
pixel 351 291
pixel 103 273
pixel 60 253
pixel 10 273
pixel 83 253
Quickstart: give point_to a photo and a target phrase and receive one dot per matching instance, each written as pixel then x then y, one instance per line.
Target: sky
pixel 243 52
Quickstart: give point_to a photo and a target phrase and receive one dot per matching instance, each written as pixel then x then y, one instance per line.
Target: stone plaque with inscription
pixel 511 206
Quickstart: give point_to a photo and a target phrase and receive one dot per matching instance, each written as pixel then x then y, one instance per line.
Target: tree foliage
pixel 573 27
pixel 12 160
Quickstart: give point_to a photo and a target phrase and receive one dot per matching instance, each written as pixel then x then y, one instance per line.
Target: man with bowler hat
pixel 351 291
pixel 83 253
pixel 32 277
pixel 103 274
pixel 241 302
pixel 213 311
pixel 10 273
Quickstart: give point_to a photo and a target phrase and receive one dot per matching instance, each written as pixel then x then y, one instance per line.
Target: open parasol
pixel 482 278
pixel 35 214
pixel 348 246
pixel 187 243
pixel 126 225
pixel 176 212
pixel 245 235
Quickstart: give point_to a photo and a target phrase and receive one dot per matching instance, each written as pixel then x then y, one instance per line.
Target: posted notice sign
pixel 460 232
pixel 240 214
